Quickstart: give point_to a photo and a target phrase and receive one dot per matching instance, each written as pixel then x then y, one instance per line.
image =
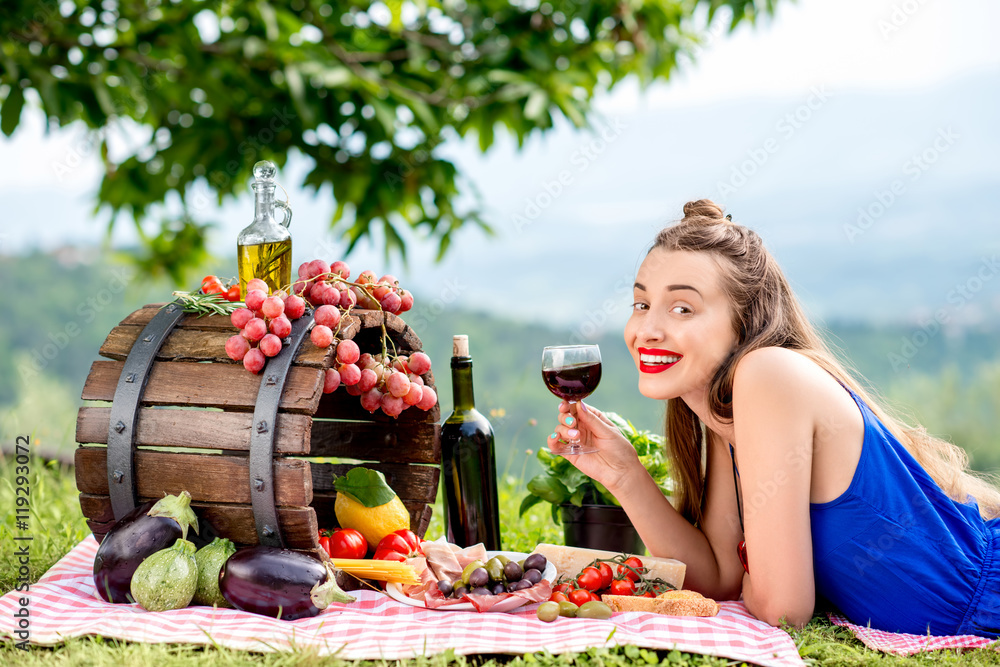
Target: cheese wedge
pixel 570 561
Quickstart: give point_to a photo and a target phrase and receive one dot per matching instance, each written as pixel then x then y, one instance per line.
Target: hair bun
pixel 702 210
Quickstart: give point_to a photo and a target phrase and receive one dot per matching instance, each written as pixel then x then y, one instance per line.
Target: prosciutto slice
pixel 445 562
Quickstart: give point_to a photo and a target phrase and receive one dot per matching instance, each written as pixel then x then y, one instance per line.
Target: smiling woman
pixel 809 486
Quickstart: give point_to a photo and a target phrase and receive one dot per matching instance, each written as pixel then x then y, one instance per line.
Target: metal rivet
pixel 262 426
pixel 130 377
pixel 148 339
pixel 120 427
pixel 171 308
pixel 258 483
pixel 268 531
pixel 271 380
pixel 118 475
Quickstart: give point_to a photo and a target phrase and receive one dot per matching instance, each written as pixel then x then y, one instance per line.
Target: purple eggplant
pixel 142 532
pixel 279 583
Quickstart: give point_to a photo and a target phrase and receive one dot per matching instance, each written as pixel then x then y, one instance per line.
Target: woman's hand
pixel 615 459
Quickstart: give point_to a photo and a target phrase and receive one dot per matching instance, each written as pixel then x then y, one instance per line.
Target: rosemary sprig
pixel 206 304
pixel 265 266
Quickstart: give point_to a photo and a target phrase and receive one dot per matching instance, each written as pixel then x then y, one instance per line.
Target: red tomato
pixel 324 542
pixel 558 596
pixel 347 543
pixel 212 285
pixel 647 594
pixel 636 566
pixel 565 588
pixel 607 574
pixel 581 596
pixel 399 545
pixel 233 293
pixel 590 579
pixel 623 587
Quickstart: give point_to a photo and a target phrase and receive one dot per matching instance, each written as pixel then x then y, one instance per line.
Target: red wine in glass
pixel 573 383
pixel 572 372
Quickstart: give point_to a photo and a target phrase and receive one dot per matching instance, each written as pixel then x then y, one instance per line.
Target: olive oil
pixel 264 248
pixel 271 262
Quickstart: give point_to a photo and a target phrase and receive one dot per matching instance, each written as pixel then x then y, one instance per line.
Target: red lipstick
pixel 647 367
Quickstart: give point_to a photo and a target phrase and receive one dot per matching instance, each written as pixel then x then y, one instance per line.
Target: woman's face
pixel 681 328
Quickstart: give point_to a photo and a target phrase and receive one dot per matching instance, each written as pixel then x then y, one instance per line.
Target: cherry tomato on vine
pixel 589 578
pixel 212 285
pixel 623 587
pixel 233 293
pixel 558 596
pixel 565 588
pixel 581 596
pixel 634 563
pixel 347 543
pixel 607 574
pixel 647 594
pixel 324 542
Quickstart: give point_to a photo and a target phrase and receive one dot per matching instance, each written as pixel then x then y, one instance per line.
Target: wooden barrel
pixel 195 420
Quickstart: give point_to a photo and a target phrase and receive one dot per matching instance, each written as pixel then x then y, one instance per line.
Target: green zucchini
pixel 167 579
pixel 210 559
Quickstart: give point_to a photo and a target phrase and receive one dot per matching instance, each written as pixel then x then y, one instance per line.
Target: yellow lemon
pixel 372 522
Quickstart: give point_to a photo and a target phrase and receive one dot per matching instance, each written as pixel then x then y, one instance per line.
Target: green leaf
pixel 529 501
pixel 548 488
pixel 10 113
pixel 366 486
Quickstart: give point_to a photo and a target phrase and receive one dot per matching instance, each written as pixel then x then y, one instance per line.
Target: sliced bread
pixel 670 603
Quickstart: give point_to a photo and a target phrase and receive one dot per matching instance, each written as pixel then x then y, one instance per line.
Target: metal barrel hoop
pixel 262 432
pixel 125 407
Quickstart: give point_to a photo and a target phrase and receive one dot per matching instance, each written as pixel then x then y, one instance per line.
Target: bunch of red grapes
pixel 328 284
pixel 391 383
pixel 263 324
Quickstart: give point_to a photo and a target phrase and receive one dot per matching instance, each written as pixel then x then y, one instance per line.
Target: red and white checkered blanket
pixel 904 644
pixel 64 604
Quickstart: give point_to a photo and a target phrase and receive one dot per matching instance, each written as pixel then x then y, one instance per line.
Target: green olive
pixel 503 559
pixel 474 565
pixel 594 609
pixel 567 609
pixel 548 611
pixel 495 569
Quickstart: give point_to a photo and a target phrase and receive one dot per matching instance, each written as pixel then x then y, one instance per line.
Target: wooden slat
pixel 197 428
pixel 369 441
pixel 207 477
pixel 420 513
pixel 207 385
pixel 298 525
pixel 410 482
pixel 341 405
pixel 200 345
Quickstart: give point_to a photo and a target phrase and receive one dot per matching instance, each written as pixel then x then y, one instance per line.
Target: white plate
pixel 395 590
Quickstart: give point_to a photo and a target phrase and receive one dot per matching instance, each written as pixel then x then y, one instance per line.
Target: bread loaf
pixel 670 603
pixel 570 561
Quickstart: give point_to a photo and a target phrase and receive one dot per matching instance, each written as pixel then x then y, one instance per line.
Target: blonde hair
pixel 765 314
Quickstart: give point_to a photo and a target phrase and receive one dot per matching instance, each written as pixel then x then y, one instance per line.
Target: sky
pixel 808 50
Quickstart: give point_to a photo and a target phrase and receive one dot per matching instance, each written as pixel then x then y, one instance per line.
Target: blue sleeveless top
pixel 895 552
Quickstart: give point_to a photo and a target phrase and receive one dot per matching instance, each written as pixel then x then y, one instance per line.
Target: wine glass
pixel 572 372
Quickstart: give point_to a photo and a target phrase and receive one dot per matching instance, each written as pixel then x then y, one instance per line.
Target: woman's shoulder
pixel 780 370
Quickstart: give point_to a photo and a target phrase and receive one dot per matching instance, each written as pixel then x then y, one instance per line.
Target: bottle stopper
pixel 460 346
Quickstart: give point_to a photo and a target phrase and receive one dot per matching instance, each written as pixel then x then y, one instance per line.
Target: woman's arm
pixel 774 415
pixel 709 552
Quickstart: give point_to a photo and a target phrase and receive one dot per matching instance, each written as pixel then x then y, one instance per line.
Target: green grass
pixel 57 525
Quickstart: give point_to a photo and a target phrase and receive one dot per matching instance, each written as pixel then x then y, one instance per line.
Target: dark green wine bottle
pixel 468 462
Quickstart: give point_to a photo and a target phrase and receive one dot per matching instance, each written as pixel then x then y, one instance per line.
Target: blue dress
pixel 894 551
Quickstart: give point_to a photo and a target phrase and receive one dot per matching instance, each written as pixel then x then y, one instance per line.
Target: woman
pixel 775 445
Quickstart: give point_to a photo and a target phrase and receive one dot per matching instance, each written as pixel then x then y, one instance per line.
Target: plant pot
pixel 600 527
